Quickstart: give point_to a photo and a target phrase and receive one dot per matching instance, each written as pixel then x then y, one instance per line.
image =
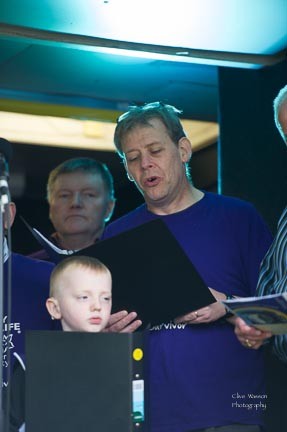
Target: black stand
pixel 5 156
pixel 84 382
pixel 2 413
pixel 3 400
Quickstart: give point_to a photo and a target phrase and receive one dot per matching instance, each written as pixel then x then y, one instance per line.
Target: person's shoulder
pixel 40 254
pixel 282 218
pixel 128 221
pixel 235 211
pixel 27 271
pixel 29 262
pixel 229 202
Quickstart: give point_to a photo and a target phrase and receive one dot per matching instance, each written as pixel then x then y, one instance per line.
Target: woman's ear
pixel 53 308
pixel 185 149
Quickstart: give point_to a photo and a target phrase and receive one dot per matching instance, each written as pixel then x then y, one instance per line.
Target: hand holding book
pixel 248 336
pixel 266 313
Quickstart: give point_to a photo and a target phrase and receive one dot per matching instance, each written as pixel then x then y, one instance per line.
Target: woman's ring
pixel 196 314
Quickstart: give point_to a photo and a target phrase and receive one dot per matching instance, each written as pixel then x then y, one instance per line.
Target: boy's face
pixel 84 299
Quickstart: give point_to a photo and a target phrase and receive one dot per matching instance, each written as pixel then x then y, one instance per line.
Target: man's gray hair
pixel 280 99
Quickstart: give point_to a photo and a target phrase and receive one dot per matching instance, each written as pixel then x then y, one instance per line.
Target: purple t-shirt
pixel 200 376
pixel 30 290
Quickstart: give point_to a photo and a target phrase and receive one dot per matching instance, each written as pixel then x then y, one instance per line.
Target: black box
pixel 84 382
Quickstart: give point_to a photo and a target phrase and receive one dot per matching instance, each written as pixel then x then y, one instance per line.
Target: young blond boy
pixel 80 294
pixel 81 297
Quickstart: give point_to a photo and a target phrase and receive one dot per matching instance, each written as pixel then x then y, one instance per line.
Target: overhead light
pixel 85 134
pixel 143 50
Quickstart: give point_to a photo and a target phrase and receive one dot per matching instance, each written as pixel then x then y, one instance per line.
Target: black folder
pixel 85 382
pixel 151 273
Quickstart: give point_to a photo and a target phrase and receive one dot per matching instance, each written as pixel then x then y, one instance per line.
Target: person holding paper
pixel 273 280
pixel 199 375
pixel 273 273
